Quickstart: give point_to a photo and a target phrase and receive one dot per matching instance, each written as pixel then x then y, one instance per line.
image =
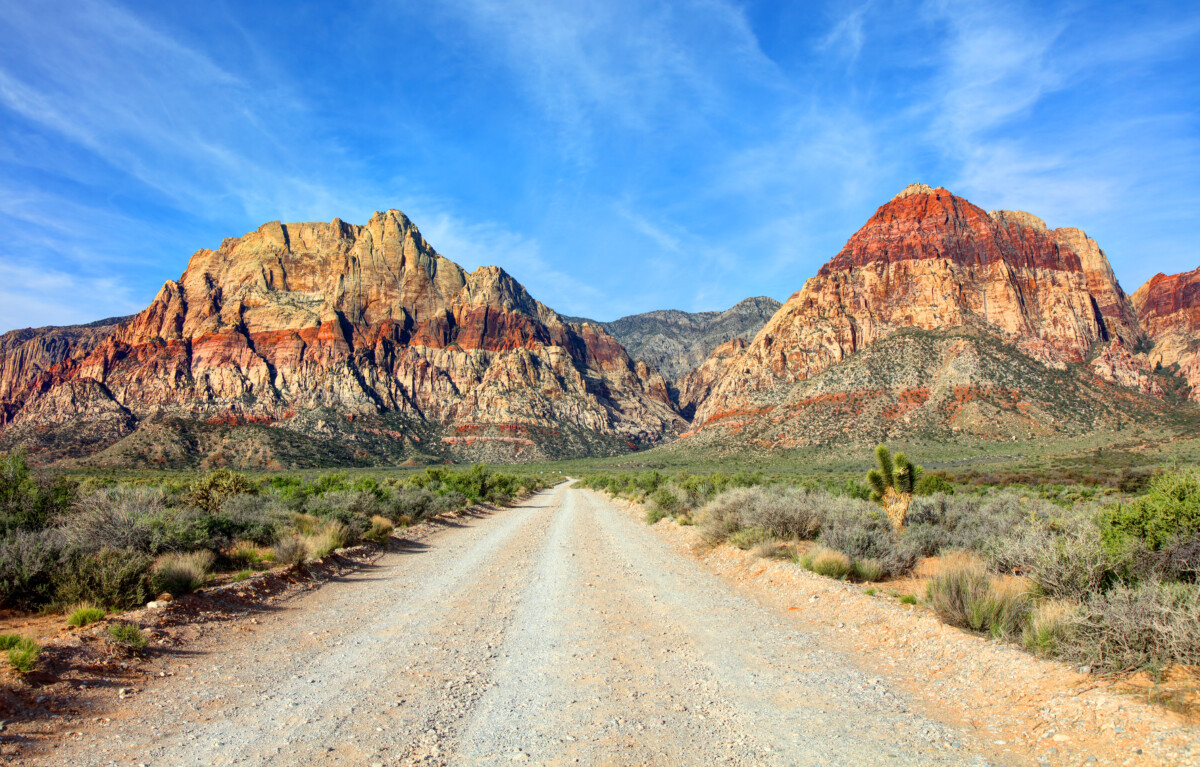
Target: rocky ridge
pixel 676 342
pixel 365 323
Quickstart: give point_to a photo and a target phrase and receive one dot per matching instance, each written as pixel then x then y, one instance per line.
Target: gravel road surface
pixel 561 631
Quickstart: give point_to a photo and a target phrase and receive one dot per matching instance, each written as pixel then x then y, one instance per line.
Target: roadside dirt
pixel 564 630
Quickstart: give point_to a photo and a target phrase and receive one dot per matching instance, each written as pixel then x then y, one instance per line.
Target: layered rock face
pixel 696 386
pixel 360 320
pixel 1168 308
pixel 932 261
pixel 676 342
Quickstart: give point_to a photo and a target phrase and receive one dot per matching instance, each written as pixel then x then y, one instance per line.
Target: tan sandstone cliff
pixel 357 320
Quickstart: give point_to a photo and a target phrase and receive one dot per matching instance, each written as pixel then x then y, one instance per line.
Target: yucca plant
pixel 893 483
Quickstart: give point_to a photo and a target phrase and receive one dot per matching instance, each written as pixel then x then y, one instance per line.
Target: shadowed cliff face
pixel 1168 308
pixel 932 261
pixel 361 320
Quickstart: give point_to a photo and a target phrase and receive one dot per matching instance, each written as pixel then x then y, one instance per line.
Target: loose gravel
pixel 561 631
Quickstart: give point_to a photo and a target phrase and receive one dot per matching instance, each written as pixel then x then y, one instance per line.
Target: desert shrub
pixel 330 537
pixel 666 499
pixel 1049 627
pixel 381 529
pixel 255 518
pixel 722 515
pixel 118 517
pixel 931 484
pixel 352 508
pixel 23 654
pixel 28 500
pixel 1178 560
pixel 959 592
pixel 785 513
pixel 127 635
pixel 210 491
pixel 1068 564
pixel 869 570
pixel 1132 627
pixel 290 550
pixel 654 515
pixel 28 561
pixel 110 577
pixel 82 616
pixel 413 503
pixel 860 532
pixel 830 563
pixel 1148 624
pixel 451 501
pixel 974 523
pixel 179 574
pixel 1170 509
pixel 748 537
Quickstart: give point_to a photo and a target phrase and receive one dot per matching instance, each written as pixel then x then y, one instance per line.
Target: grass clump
pixel 381 529
pixel 908 599
pixel 830 563
pixel 127 635
pixel 749 537
pixel 869 570
pixel 327 539
pixel 179 574
pixel 654 514
pixel 1049 627
pixel 241 575
pixel 84 615
pixel 22 653
pixel 290 550
pixel 964 594
pixel 870 591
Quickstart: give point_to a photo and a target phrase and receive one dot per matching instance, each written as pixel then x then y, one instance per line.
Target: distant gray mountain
pixel 678 342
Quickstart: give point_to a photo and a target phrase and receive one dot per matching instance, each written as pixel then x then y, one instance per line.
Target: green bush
pixel 28 562
pixel 211 490
pixel 112 578
pixel 929 484
pixel 665 500
pixel 127 635
pixel 654 514
pixel 1170 509
pixel 28 501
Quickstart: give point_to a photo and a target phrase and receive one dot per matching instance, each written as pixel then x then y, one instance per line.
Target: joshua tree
pixel 892 484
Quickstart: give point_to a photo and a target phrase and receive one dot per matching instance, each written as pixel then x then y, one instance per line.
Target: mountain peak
pixel 1019 217
pixel 912 189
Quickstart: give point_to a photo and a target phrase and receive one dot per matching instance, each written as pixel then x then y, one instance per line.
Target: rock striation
pixel 358 321
pixel 931 261
pixel 1168 307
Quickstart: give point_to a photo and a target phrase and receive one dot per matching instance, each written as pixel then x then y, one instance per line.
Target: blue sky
pixel 614 156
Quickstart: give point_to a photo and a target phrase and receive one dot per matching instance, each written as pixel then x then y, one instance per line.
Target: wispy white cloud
pixel 846 37
pixel 34 296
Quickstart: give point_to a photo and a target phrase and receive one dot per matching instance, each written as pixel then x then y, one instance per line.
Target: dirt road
pixel 560 631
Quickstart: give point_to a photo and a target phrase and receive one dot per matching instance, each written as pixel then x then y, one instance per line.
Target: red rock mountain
pixel 1168 308
pixel 348 322
pixel 931 261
